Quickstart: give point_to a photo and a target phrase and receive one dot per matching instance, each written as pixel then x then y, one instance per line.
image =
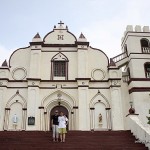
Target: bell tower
pixel 136 46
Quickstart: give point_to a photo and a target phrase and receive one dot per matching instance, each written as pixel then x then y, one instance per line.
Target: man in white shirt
pixel 62 122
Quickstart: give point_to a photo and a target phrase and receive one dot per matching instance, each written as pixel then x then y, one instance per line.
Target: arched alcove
pixel 16 108
pixel 15 105
pixel 100 115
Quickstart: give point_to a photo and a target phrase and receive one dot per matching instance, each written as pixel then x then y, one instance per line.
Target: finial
pixel 67 27
pixel 82 36
pixel 54 26
pixel 37 35
pixel 4 64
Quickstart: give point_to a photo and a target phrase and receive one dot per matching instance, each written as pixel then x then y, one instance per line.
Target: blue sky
pixel 103 22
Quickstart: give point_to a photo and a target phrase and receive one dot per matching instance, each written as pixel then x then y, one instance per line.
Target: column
pixel 42 119
pixel 82 64
pixel 1 109
pixel 35 64
pixel 108 115
pixel 3 95
pixel 84 113
pixel 117 112
pixel 33 105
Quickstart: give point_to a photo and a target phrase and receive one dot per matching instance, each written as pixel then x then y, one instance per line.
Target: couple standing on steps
pixel 59 123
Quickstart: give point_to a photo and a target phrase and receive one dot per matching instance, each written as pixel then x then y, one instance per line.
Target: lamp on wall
pixel 131 104
pixel 131 110
pixel 59 95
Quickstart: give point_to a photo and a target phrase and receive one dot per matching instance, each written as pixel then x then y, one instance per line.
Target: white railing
pixel 147 74
pixel 119 57
pixel 141 132
pixel 125 78
pixel 146 49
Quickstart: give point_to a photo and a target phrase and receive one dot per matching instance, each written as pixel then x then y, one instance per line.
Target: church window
pixel 59 68
pixel 145 46
pixel 147 69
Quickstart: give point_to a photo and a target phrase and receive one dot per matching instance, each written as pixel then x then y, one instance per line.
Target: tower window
pixel 144 43
pixel 145 46
pixel 147 70
pixel 59 68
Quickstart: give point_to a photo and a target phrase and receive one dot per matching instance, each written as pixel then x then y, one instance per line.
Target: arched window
pixel 147 69
pixel 145 45
pixel 59 67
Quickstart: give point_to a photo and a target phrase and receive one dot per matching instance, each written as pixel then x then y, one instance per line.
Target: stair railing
pixel 141 132
pixel 119 57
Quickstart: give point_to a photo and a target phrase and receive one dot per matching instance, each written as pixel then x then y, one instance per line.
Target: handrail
pixel 146 49
pixel 141 132
pixel 119 57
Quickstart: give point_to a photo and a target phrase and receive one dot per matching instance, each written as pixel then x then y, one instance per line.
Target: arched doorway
pixel 59 108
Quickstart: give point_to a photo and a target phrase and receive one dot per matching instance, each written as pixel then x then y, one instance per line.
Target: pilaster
pixel 35 61
pixel 33 104
pixel 83 96
pixel 3 91
pixel 116 100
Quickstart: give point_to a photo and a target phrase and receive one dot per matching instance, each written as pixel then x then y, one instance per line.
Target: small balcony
pixel 146 50
pixel 126 78
pixel 147 74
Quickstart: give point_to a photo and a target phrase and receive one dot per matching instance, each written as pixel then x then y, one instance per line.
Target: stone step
pixel 81 140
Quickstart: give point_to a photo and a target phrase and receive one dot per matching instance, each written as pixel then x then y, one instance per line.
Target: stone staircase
pixel 75 140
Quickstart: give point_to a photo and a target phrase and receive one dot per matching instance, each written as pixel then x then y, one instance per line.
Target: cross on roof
pixel 61 23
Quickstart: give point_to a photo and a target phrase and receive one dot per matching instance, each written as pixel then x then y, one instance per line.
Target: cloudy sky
pixel 101 21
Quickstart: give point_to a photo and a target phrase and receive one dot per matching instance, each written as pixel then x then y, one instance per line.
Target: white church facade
pixel 65 73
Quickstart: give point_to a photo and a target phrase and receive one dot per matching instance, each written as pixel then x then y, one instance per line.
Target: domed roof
pixel 60 35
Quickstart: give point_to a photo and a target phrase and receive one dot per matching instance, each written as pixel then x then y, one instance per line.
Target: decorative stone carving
pixel 98 74
pixel 19 73
pixel 115 82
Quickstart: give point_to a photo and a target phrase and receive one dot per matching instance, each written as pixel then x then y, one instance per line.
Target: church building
pixel 62 72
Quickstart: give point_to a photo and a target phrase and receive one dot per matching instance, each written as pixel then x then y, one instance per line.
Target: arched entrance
pixel 59 108
pixel 63 102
